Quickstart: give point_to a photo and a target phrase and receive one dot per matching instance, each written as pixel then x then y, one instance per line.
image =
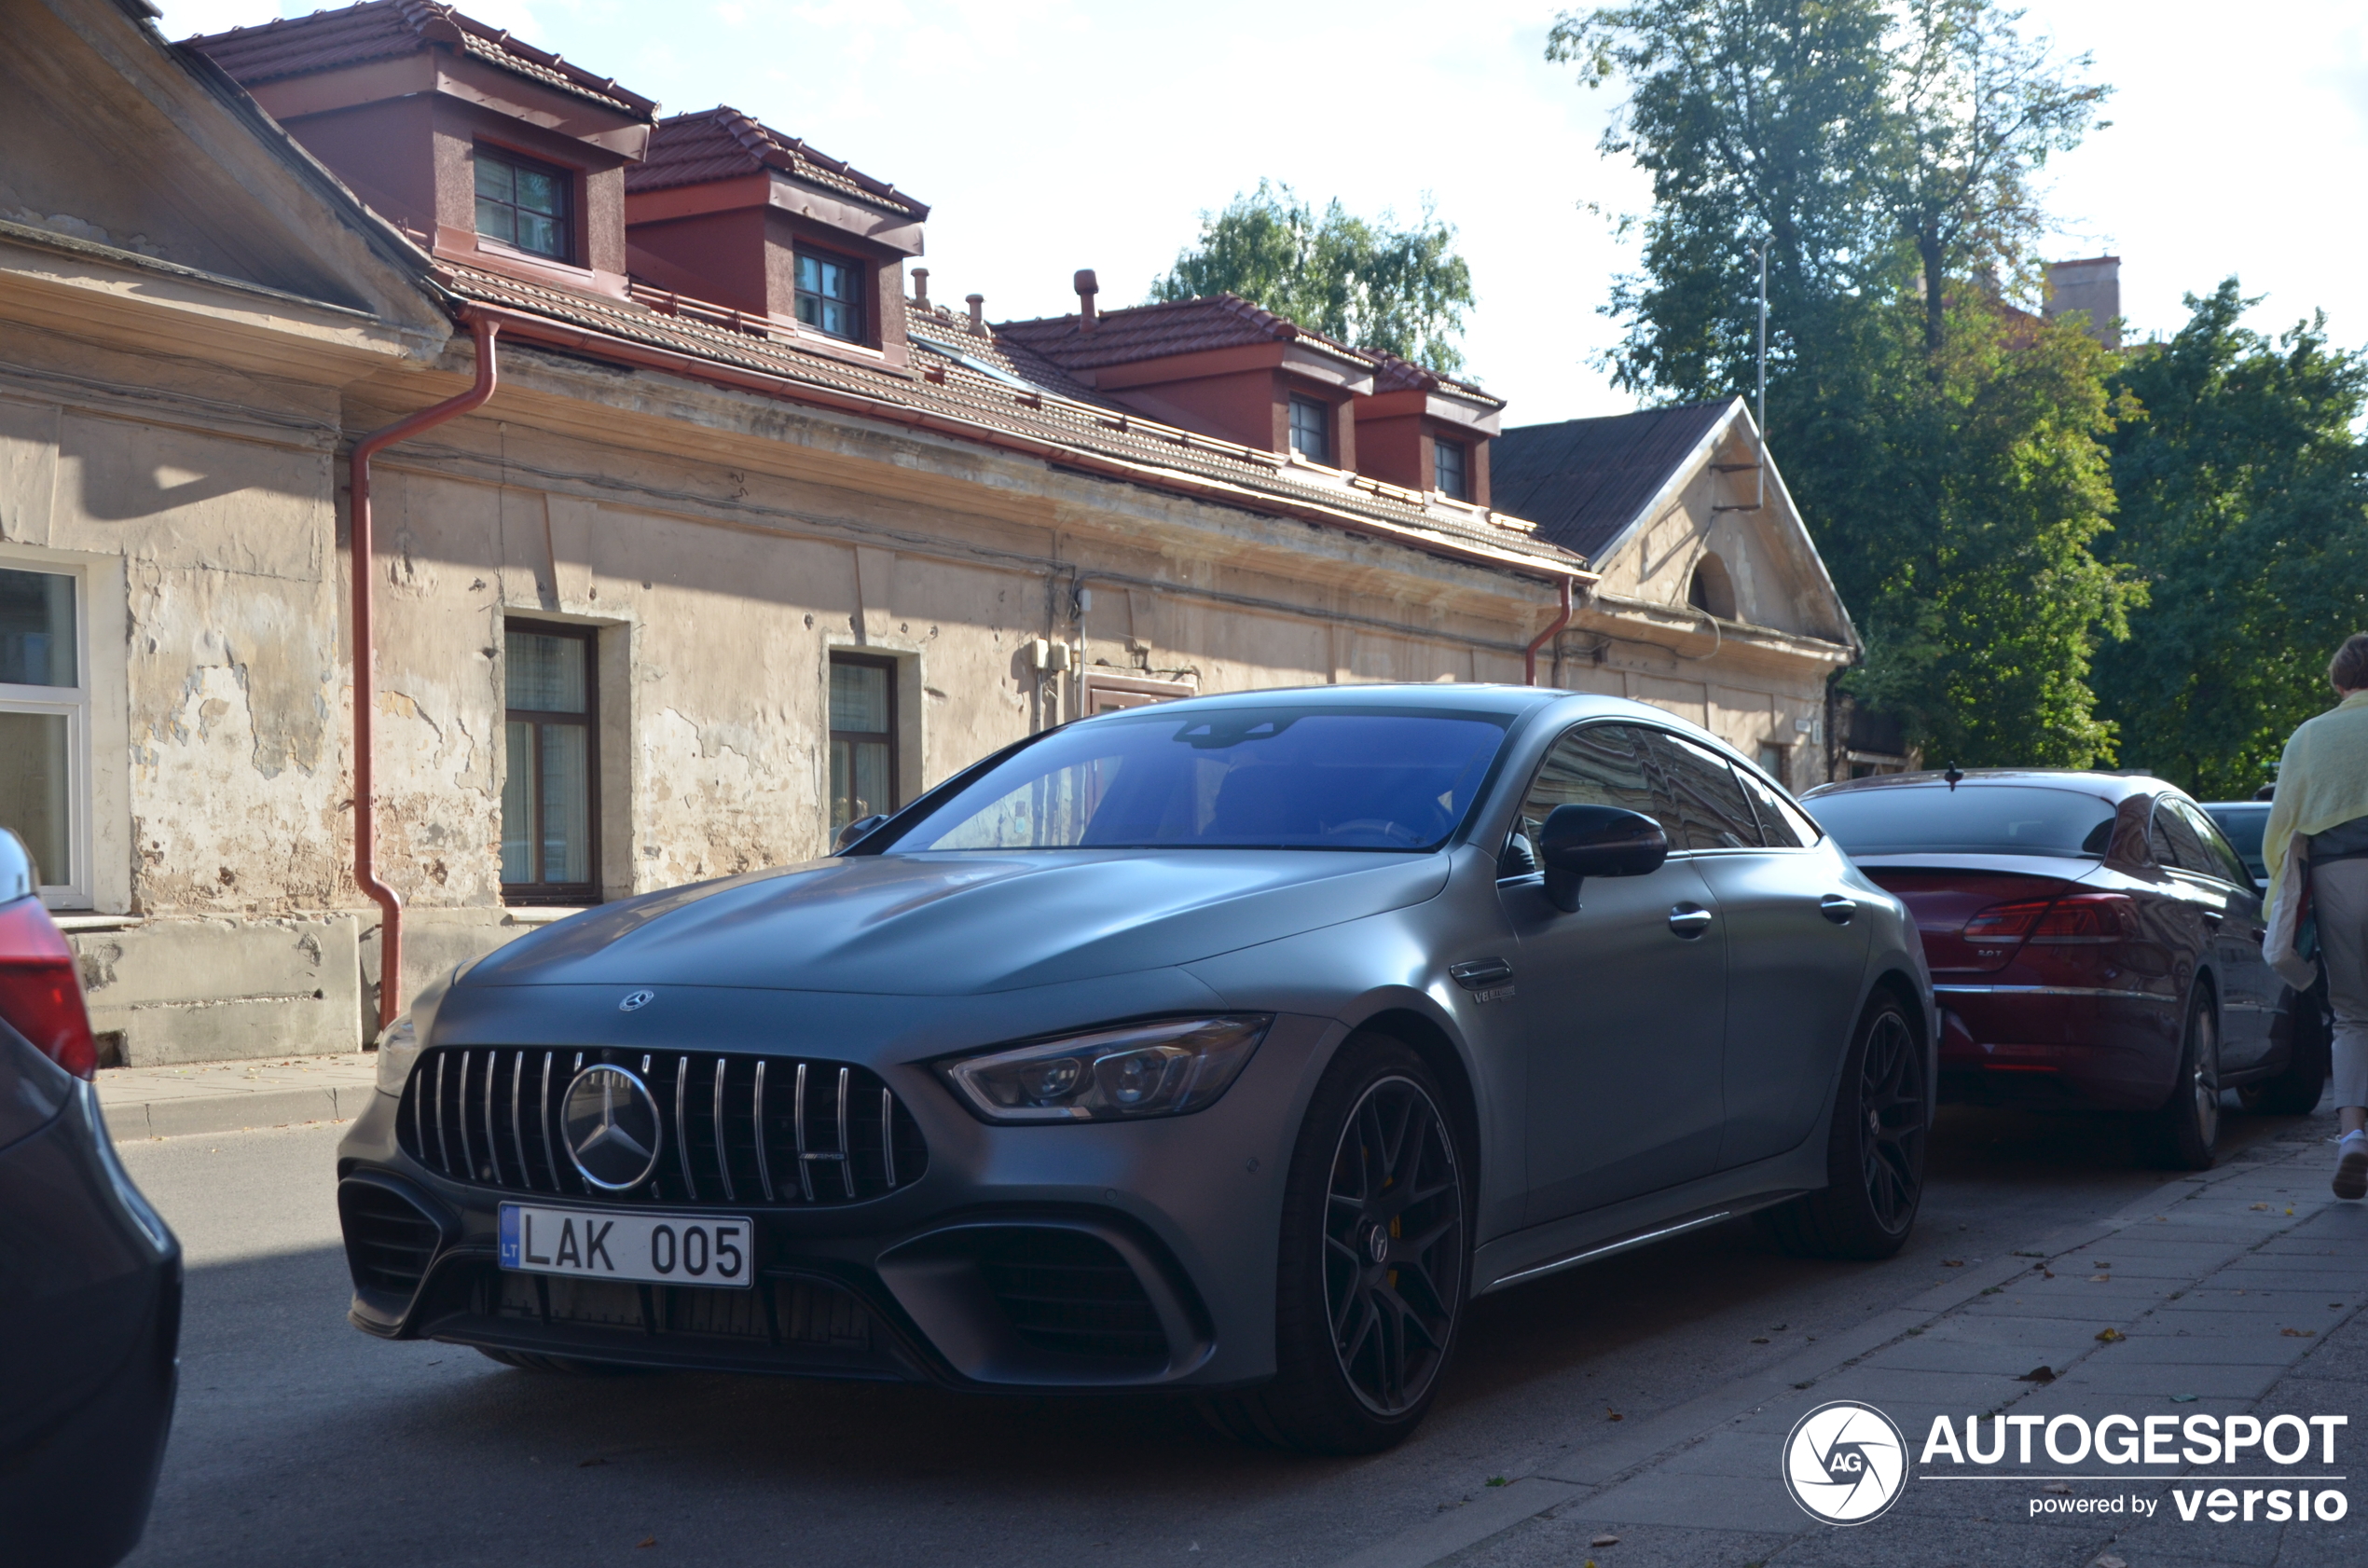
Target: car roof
pixel 2113 787
pixel 1453 696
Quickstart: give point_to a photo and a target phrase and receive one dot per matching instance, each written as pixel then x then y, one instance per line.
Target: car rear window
pixel 1970 819
pixel 1228 778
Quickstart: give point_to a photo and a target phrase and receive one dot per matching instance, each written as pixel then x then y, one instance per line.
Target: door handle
pixel 1689 919
pixel 1833 907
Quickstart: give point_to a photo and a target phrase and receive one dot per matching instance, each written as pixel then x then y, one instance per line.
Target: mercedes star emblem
pixel 612 1125
pixel 636 1000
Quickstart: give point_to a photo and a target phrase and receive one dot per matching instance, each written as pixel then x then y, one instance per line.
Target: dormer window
pixel 1447 463
pixel 830 295
pixel 1312 429
pixel 523 204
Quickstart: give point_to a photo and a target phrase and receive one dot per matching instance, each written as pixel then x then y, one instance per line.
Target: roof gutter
pixel 523 325
pixel 366 818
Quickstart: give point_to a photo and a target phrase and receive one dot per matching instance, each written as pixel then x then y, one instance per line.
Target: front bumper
pixel 2107 1050
pixel 1078 1257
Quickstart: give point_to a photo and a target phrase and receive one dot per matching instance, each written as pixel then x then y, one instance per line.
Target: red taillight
pixel 40 994
pixel 2077 917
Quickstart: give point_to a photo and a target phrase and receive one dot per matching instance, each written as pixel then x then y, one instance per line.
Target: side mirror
pixel 858 829
pixel 1582 841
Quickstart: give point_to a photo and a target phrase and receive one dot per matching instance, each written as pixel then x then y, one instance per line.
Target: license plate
pixel 648 1248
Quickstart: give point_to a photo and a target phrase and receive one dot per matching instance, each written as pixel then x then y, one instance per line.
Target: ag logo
pixel 1845 1463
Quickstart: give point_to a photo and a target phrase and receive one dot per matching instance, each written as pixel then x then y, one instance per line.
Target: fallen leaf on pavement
pixel 2056 1486
pixel 2038 1374
pixel 2048 1273
pixel 2109 1560
pixel 2261 1205
pixel 1498 1481
pixel 2100 1279
pixel 1761 1340
pixel 1614 1416
pixel 2110 1336
pixel 2028 1255
pixel 587 1463
pixel 651 1541
pixel 2298 1333
pixel 1952 1262
pixel 1605 1541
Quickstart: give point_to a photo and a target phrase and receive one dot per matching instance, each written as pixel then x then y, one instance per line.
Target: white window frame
pixel 74 702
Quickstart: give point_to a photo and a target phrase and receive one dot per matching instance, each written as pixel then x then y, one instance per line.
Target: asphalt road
pixel 300 1441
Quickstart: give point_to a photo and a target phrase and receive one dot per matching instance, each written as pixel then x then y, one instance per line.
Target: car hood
pixel 950 924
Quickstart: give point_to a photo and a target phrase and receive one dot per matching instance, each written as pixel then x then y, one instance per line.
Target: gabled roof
pixel 1393 374
pixel 388 30
pixel 1583 481
pixel 1178 326
pixel 722 143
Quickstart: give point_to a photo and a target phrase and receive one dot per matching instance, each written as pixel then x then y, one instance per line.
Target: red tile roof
pixel 986 387
pixel 723 144
pixel 1180 326
pixel 1393 374
pixel 388 29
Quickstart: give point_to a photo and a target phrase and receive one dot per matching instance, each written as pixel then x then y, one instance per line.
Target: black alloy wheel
pixel 2186 1129
pixel 1394 1246
pixel 1875 1152
pixel 1374 1261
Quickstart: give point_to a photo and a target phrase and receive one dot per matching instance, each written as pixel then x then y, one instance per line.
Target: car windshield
pixel 1970 819
pixel 2243 823
pixel 1283 778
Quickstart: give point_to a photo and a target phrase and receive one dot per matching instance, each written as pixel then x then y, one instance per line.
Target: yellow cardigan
pixel 2322 783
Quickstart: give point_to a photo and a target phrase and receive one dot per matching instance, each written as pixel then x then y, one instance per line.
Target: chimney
pixel 1086 289
pixel 922 287
pixel 977 303
pixel 2093 286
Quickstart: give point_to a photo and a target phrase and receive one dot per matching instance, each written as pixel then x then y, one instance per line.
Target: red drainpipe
pixel 365 816
pixel 1529 659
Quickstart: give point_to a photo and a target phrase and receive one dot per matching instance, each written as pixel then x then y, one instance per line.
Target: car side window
pixel 1781 824
pixel 2174 842
pixel 1711 809
pixel 2220 857
pixel 1593 764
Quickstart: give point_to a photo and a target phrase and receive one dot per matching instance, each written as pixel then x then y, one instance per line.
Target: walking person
pixel 2322 801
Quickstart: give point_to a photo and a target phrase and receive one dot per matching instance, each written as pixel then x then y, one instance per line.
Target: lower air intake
pixel 388 1240
pixel 1070 1293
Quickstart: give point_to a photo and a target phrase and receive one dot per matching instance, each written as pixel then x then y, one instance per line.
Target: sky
pixel 1049 135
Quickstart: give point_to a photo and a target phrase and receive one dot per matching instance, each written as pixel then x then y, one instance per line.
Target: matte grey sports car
pixel 1228 1046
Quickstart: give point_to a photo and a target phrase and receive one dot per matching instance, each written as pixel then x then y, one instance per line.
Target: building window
pixel 523 204
pixel 1448 464
pixel 830 295
pixel 44 725
pixel 1312 429
pixel 1771 760
pixel 862 738
pixel 549 801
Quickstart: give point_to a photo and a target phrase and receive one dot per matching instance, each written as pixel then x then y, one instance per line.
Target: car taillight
pixel 2077 917
pixel 40 994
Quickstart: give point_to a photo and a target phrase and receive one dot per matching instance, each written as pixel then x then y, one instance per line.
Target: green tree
pixel 1947 449
pixel 2244 506
pixel 1367 283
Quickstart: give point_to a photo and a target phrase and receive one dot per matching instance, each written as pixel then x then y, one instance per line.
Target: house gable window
pixel 1448 463
pixel 1312 429
pixel 862 738
pixel 44 726
pixel 523 204
pixel 549 801
pixel 830 295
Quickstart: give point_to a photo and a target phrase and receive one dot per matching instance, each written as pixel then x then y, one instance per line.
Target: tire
pixel 1875 1154
pixel 2295 1090
pixel 1362 1340
pixel 2185 1132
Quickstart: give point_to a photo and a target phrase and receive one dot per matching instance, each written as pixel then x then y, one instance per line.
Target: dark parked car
pixel 90 1277
pixel 1228 1046
pixel 2095 940
pixel 2244 822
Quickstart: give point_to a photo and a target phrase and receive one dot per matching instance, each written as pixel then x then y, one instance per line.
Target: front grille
pixel 1070 1293
pixel 388 1241
pixel 736 1130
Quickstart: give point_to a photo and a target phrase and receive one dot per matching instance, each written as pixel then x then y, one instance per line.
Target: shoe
pixel 2351 1168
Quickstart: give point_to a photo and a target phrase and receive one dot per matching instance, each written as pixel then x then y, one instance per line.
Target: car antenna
pixel 1953 775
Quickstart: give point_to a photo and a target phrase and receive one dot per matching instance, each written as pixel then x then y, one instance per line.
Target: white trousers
pixel 2339 896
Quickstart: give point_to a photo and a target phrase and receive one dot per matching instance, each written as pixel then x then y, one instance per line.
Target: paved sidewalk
pixel 228 1096
pixel 2238 1291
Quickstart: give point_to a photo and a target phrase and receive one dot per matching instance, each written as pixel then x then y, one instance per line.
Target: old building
pixel 750 536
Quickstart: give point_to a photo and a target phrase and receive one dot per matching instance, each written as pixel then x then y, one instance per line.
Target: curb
pixel 130 1121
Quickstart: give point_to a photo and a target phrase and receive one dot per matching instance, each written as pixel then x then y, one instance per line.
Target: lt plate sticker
pixel 646 1248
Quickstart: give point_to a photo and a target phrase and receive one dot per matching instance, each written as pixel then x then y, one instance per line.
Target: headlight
pixel 1166 1068
pixel 399 1042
